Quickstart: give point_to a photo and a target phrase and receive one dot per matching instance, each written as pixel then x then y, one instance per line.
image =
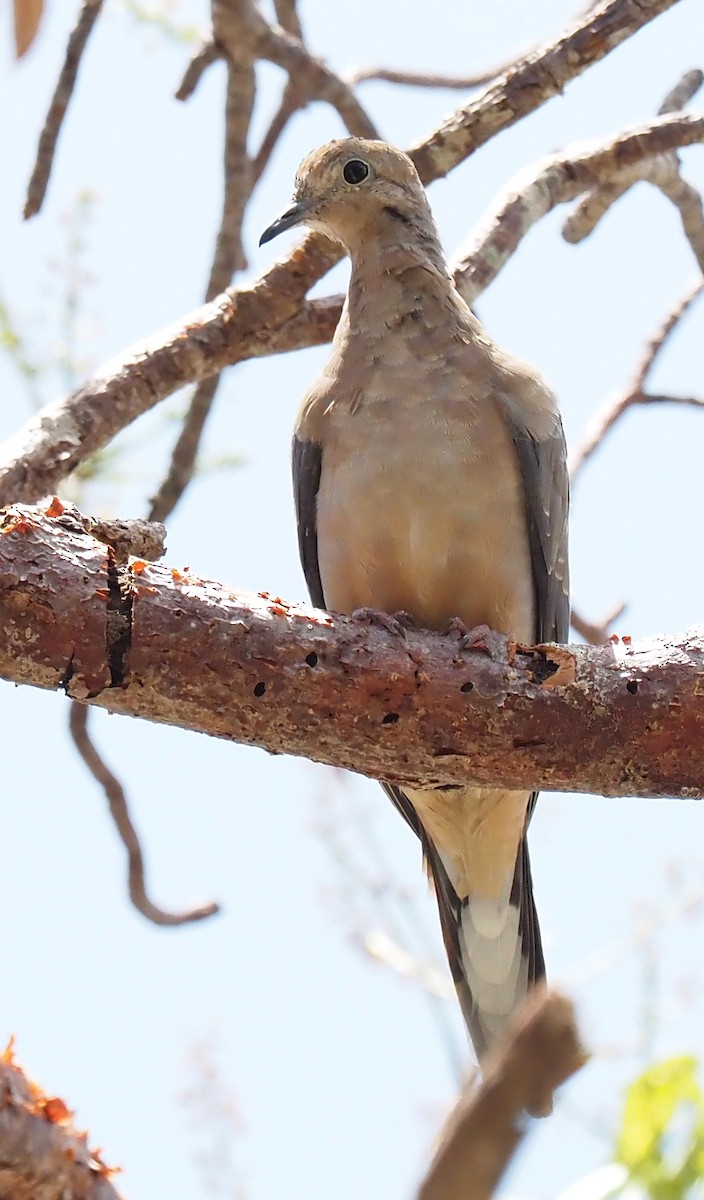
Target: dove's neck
pixel 399 272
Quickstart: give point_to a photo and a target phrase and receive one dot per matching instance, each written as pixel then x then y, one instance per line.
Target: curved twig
pixel 119 811
pixel 634 392
pixel 39 180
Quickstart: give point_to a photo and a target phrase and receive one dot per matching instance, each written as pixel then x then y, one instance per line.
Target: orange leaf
pixel 55 509
pixel 8 1054
pixel 56 1111
pixel 28 14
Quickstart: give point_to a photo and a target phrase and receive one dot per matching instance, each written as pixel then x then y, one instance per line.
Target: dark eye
pixel 355 171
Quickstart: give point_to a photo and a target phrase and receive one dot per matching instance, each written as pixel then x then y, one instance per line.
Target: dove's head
pixel 354 188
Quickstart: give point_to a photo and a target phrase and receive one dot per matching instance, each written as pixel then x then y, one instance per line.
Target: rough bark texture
pixel 155 642
pixel 42 1154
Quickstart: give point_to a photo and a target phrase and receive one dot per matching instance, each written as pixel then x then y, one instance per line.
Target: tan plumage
pixel 429 472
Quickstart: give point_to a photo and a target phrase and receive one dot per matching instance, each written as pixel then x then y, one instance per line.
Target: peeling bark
pixel 151 641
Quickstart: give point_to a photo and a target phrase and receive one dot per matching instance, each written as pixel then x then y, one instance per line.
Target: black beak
pixel 287 220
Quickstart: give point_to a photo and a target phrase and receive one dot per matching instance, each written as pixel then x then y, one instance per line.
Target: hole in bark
pixel 259 689
pixel 390 719
pixel 542 668
pixel 632 687
pixel 312 659
pixel 467 687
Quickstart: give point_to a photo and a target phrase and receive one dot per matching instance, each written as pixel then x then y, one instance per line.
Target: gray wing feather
pixel 307 461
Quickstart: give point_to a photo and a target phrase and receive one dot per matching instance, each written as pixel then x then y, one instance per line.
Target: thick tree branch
pixel 42 1154
pixel 150 641
pixel 532 80
pixel 540 1051
pixel 535 191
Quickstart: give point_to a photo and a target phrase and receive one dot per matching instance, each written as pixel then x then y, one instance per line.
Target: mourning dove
pixel 430 477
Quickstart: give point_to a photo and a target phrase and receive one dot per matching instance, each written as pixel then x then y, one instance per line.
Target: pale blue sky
pixel 338 1067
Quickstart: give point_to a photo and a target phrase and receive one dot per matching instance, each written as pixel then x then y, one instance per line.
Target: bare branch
pixel 634 392
pixel 421 79
pixel 39 180
pixel 42 1154
pixel 241 24
pixel 592 633
pixel 288 18
pixel 534 192
pixel 149 641
pixel 531 81
pixel 541 1050
pixel 662 171
pixel 208 54
pixel 119 811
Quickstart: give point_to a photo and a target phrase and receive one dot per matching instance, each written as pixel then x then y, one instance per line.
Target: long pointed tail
pixel 493 946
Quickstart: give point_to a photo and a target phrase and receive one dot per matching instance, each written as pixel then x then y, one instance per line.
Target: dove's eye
pixel 355 171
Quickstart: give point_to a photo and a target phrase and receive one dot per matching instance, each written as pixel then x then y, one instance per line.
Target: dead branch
pixel 531 81
pixel 271 315
pixel 534 192
pixel 241 24
pixel 541 1050
pixel 663 171
pixel 49 137
pixel 150 641
pixel 42 1154
pixel 117 803
pixel 203 58
pixel 634 392
pixel 421 79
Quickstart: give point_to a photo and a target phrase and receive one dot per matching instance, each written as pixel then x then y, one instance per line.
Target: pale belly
pixel 433 525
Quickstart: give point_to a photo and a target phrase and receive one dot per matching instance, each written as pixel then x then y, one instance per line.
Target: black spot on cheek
pixel 397 214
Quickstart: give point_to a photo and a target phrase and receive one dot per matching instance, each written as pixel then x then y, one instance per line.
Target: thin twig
pixel 541 1050
pixel 421 79
pixel 39 180
pixel 185 453
pixel 203 58
pixel 634 392
pixel 228 258
pixel 115 795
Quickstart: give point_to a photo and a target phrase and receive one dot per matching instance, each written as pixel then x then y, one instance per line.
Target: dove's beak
pixel 293 216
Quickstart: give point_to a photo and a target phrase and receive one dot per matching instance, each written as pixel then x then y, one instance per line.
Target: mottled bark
pixel 155 642
pixel 42 1154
